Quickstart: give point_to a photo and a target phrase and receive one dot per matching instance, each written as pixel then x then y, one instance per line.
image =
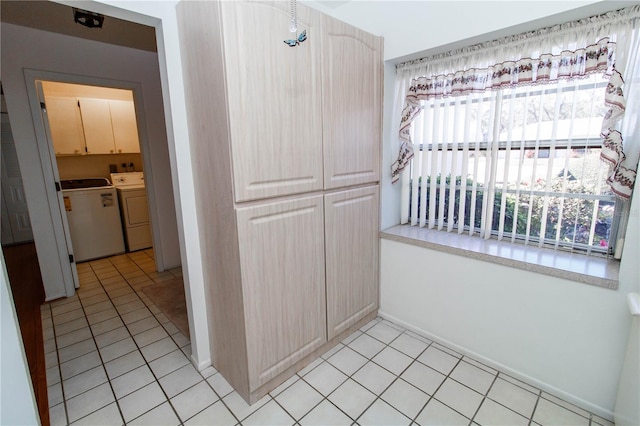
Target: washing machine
pixel 93 215
pixel 134 210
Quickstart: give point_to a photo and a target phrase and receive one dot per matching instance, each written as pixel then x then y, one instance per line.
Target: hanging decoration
pixel 293 27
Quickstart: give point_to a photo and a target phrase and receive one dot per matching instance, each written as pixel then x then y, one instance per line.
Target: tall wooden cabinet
pixel 352 101
pixel 286 145
pixel 283 273
pixel 274 104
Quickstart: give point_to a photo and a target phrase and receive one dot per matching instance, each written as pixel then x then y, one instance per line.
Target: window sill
pixel 596 271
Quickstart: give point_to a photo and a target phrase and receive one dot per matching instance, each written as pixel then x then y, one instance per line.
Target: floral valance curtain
pixel 606 43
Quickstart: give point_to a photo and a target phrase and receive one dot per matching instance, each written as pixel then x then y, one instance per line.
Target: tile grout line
pixel 535 407
pixel 55 339
pixel 397 376
pixel 433 396
pixel 146 362
pixel 415 359
pixel 484 398
pixel 75 375
pixel 341 383
pixel 103 364
pixel 157 379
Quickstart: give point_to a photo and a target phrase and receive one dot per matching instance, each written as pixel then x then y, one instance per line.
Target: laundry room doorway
pixel 95 128
pixel 93 135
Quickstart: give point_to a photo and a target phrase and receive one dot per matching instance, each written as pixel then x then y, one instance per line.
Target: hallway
pixel 95 342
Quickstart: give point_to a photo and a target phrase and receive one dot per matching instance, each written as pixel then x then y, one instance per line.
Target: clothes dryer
pixel 134 209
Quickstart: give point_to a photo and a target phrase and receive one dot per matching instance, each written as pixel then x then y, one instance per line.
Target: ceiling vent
pixel 88 19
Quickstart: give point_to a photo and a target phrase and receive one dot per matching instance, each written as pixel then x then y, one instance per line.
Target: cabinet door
pixel 273 91
pixel 125 126
pixel 65 125
pixel 96 121
pixel 352 104
pixel 351 222
pixel 282 267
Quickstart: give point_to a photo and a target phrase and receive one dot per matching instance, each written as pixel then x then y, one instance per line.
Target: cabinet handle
pixel 111 151
pixel 119 150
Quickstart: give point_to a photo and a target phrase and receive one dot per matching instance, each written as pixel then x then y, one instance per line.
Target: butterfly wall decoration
pixel 296 41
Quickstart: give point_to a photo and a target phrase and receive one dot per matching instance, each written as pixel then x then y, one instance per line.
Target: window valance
pixel 605 43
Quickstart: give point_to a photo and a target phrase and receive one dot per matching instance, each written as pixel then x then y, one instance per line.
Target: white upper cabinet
pixel 125 126
pixel 351 99
pixel 96 120
pixel 65 125
pixel 274 98
pixel 83 125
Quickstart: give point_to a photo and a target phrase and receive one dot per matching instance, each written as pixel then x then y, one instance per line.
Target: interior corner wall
pixel 568 338
pixel 27 48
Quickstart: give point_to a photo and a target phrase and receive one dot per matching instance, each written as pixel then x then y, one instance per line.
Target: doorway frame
pixel 50 167
pixel 162 16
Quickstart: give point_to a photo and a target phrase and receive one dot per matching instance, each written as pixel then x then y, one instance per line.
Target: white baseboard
pixel 200 365
pixel 597 410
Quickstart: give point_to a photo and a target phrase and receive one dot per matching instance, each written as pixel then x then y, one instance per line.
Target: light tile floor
pixel 113 358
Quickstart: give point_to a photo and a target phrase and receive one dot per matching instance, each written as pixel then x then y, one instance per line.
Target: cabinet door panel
pixel 125 127
pixel 282 267
pixel 65 125
pixel 96 120
pixel 352 104
pixel 351 221
pixel 273 91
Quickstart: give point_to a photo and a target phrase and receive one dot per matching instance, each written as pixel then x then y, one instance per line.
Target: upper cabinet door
pixel 96 120
pixel 125 127
pixel 352 104
pixel 65 125
pixel 351 244
pixel 282 265
pixel 274 96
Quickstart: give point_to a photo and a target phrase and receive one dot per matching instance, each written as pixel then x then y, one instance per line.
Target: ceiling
pixel 58 18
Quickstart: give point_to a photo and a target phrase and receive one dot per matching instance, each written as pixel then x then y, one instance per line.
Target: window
pixel 505 139
pixel 521 164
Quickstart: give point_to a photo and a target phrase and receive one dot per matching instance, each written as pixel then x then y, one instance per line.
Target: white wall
pixel 566 337
pixel 25 48
pixel 17 401
pixel 412 27
pixel 162 16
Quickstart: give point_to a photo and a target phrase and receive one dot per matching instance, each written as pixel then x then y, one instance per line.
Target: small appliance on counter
pixel 93 216
pixel 133 209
